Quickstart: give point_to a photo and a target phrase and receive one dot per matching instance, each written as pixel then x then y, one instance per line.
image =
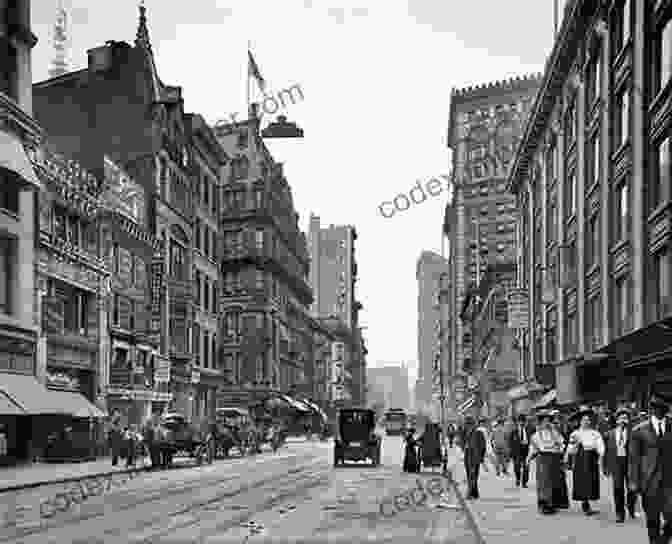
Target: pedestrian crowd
pixel 634 450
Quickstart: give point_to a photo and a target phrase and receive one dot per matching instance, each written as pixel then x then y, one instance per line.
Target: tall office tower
pixel 429 268
pixel 333 274
pixel 333 270
pixel 388 384
pixel 484 128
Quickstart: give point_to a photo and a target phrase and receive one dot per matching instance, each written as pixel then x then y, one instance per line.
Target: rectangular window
pixel 621 212
pixel 594 322
pixel 622 313
pixel 663 56
pixel 594 77
pixel 571 338
pixel 7 260
pixel 9 69
pixel 621 119
pixel 259 277
pixel 213 292
pixel 197 233
pixel 551 222
pixel 658 285
pixel 570 195
pixel 9 194
pixel 197 282
pixel 662 173
pixel 206 350
pixel 196 341
pixel 570 123
pixel 592 241
pixel 206 294
pixel 259 239
pixel 593 160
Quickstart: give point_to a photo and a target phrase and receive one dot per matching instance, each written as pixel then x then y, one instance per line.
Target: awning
pixel 297 405
pixel 13 158
pixel 546 399
pixel 76 404
pixel 30 395
pixel 9 408
pixel 466 405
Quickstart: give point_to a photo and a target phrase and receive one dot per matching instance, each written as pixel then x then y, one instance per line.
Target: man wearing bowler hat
pixel 519 446
pixel 650 469
pixel 615 463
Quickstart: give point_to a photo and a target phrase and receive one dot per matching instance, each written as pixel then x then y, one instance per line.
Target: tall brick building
pixel 265 330
pixel 485 125
pixel 118 107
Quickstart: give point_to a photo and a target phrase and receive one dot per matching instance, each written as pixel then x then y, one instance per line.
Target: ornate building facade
pixel 135 373
pixel 484 128
pixel 20 136
pixel 592 179
pixel 146 133
pixel 208 161
pixel 265 324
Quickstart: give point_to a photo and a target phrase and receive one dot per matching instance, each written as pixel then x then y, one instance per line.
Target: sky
pixel 376 79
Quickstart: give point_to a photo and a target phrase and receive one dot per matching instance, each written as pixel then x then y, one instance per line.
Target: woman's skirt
pixel 586 476
pixel 545 478
pixel 560 491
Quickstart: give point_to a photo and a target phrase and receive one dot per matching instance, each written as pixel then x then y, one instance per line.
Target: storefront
pixel 630 368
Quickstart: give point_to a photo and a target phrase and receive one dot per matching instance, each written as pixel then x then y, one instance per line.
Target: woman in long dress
pixel 587 446
pixel 560 489
pixel 545 445
pixel 411 462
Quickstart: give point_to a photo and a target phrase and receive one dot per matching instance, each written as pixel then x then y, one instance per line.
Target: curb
pixel 72 479
pixel 469 514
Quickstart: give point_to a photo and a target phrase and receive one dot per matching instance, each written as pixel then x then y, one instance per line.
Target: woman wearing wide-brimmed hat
pixel 587 445
pixel 546 446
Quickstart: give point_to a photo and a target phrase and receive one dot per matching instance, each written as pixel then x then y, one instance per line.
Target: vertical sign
pixel 156 285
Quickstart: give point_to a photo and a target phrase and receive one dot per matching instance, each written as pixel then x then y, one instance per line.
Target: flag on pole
pixel 253 71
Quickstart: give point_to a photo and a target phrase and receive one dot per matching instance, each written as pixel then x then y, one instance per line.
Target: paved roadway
pixel 296 495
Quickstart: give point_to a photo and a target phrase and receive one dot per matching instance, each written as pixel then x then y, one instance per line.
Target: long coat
pixel 515 438
pixel 474 447
pixel 611 450
pixel 650 467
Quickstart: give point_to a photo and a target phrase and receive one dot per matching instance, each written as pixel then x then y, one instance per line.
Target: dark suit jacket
pixel 611 450
pixel 515 438
pixel 650 469
pixel 474 446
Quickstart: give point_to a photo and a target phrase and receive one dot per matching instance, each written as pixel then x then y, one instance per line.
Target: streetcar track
pixel 160 494
pixel 299 490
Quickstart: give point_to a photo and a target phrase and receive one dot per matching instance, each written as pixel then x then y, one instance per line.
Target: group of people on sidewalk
pixel 637 458
pixel 126 442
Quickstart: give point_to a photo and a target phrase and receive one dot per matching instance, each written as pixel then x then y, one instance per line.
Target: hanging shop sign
pixel 156 290
pixel 195 376
pixel 518 310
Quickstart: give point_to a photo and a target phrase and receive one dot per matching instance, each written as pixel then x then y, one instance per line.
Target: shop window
pixel 7 266
pixel 9 69
pixel 9 193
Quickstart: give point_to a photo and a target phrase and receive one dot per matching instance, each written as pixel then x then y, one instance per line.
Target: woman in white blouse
pixel 587 446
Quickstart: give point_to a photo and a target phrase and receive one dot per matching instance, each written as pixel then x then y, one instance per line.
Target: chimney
pixel 100 58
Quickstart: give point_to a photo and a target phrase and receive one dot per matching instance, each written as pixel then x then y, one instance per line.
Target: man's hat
pixel 623 411
pixel 469 419
pixel 584 410
pixel 544 414
pixel 522 417
pixel 658 401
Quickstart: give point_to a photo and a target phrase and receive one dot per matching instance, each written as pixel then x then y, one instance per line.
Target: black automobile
pixel 356 439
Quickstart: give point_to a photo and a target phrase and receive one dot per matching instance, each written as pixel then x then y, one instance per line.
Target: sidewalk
pixel 506 513
pixel 49 472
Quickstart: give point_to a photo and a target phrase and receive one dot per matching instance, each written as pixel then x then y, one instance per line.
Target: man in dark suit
pixel 650 469
pixel 474 452
pixel 615 463
pixel 519 447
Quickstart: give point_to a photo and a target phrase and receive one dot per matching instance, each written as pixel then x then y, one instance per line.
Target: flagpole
pixel 249 49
